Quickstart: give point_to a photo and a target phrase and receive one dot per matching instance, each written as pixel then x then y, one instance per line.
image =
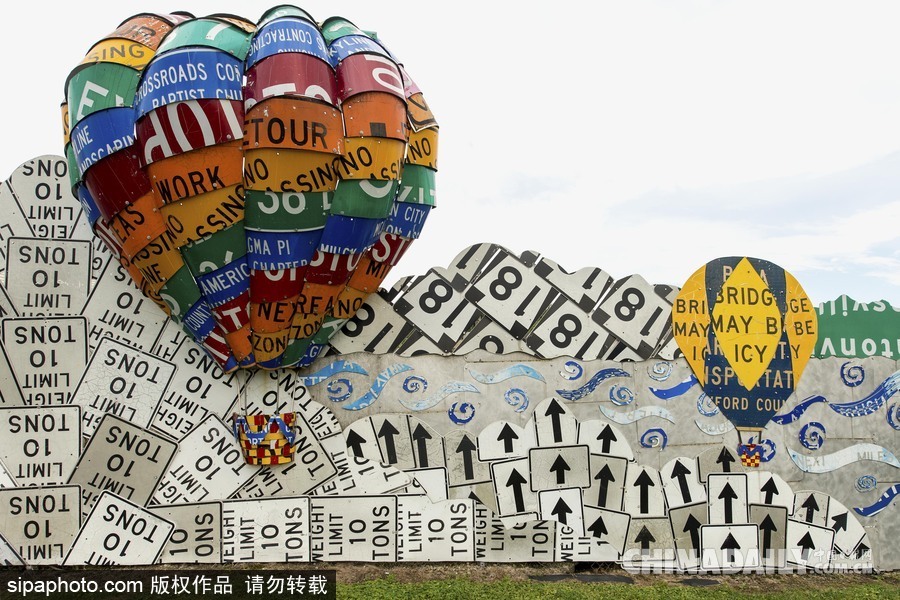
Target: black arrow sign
pixel 516 481
pixel 644 482
pixel 561 510
pixel 644 538
pixel 728 495
pixel 692 525
pixel 607 436
pixel 553 411
pixel 767 527
pixel 861 551
pixel 560 466
pixel 355 442
pixel 839 522
pixel 729 546
pixel 387 433
pixel 507 435
pixel 811 507
pixel 467 447
pixel 771 490
pixel 420 435
pixel 806 544
pixel 680 472
pixel 605 476
pixel 725 459
pixel 598 528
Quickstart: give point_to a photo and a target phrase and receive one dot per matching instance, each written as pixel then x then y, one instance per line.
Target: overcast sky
pixel 638 136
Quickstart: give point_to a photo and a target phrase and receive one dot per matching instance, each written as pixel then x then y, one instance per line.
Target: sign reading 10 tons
pixel 747 329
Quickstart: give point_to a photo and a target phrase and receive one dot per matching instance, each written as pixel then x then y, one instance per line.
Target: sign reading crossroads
pixel 747 329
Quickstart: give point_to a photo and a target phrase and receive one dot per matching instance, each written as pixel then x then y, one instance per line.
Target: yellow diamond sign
pixel 747 323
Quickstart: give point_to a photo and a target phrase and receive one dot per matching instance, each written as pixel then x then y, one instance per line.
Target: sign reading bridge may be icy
pixel 747 329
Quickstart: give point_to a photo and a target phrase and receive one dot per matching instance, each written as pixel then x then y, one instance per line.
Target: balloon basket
pixel 265 440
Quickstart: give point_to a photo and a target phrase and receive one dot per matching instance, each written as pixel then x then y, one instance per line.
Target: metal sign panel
pixel 122 381
pixel 269 530
pixel 198 388
pixel 375 328
pixel 769 488
pixel 442 531
pixel 124 459
pixel 559 467
pixel 554 424
pixel 512 487
pixel 197 537
pixel 809 545
pixel 604 438
pixel 686 521
pixel 371 477
pixel 432 481
pixel 729 548
pixel 6 478
pixel 117 532
pixel 439 311
pixel 772 524
pixel 51 276
pixel 649 544
pixel 43 191
pixel 635 314
pixel 644 492
pixel 607 527
pixel 209 465
pixel 564 506
pixel 461 458
pixel 508 283
pixel 40 523
pixel 501 440
pixel 40 445
pixel 857 329
pixel 353 528
pixel 572 547
pixel 607 476
pixel 811 507
pixel 681 482
pixel 848 532
pixel 50 355
pixel 532 541
pixel 118 310
pixel 719 459
pixel 728 498
pixel 566 330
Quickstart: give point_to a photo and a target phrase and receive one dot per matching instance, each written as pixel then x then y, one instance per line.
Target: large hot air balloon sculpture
pixel 257 180
pixel 747 329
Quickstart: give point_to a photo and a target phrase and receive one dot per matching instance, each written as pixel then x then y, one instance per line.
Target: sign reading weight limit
pixel 747 329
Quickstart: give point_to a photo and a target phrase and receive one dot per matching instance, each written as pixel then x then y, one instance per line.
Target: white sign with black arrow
pixel 772 524
pixel 608 527
pixel 604 438
pixel 680 482
pixel 564 506
pixel 729 548
pixel 554 424
pixel 644 492
pixel 501 440
pixel 559 467
pixel 727 498
pixel 686 522
pixel 512 487
pixel 809 545
pixel 607 482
